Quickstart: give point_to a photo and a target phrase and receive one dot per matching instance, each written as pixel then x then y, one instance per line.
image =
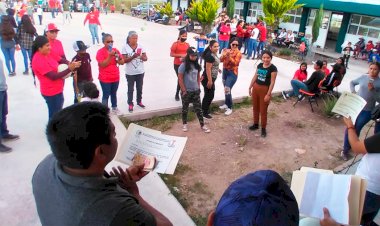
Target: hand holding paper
pixel 349 105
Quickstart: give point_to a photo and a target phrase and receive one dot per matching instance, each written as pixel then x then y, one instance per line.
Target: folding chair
pixel 311 97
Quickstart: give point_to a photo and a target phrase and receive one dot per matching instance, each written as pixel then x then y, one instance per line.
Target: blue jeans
pixel 3 113
pixel 222 45
pixel 94 32
pixel 363 118
pixel 260 48
pixel 26 53
pixel 52 13
pixel 9 56
pixel 297 85
pixel 109 89
pixel 54 103
pixel 229 79
pixel 252 45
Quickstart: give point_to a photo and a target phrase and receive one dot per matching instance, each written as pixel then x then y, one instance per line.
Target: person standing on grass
pixel 109 75
pixel 178 51
pixel 134 58
pixel 93 23
pixel 189 81
pixel 369 90
pixel 210 73
pixel 25 36
pixel 231 60
pixel 261 91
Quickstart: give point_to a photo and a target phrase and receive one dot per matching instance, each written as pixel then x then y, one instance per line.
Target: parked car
pixel 141 9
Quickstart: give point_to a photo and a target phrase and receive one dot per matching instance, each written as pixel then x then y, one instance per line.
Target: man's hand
pixel 327 219
pixel 129 177
pixel 209 84
pixel 348 122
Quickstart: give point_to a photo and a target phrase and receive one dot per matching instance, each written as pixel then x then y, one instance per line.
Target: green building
pixel 343 20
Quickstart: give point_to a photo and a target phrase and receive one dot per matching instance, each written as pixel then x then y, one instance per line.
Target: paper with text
pixel 349 105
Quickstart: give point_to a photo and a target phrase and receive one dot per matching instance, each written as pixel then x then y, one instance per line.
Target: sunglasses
pixel 234 44
pixel 109 42
pixel 54 31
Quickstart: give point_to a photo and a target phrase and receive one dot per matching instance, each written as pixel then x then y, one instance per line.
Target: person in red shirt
pixel 109 74
pixel 247 36
pixel 224 35
pixel 301 74
pixel 240 33
pixel 325 69
pixel 262 38
pixel 93 23
pixel 56 48
pixel 178 51
pixel 367 50
pixel 45 67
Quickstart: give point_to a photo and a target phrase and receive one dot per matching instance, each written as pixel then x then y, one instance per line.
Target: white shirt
pixel 368 169
pixel 135 66
pixel 39 11
pixel 290 37
pixel 255 33
pixel 282 34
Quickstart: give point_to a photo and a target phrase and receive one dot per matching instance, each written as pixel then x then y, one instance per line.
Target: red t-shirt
pixel 41 65
pixel 263 33
pixel 327 71
pixel 179 48
pixel 92 18
pixel 110 73
pixel 56 50
pixel 224 32
pixel 300 75
pixel 240 32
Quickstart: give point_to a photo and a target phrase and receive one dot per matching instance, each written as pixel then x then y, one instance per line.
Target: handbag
pixel 375 114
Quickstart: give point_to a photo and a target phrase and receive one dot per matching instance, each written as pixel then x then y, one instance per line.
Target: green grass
pixel 200 188
pixel 329 103
pixel 199 220
pixel 285 52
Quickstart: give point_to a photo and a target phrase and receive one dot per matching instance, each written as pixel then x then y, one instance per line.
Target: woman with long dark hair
pixel 51 81
pixel 25 36
pixel 8 44
pixel 210 73
pixel 108 58
pixel 189 81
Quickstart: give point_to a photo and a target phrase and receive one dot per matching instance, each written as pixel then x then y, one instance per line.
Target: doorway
pixel 333 32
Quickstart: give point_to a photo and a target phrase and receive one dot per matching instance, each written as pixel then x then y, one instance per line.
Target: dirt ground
pixel 210 162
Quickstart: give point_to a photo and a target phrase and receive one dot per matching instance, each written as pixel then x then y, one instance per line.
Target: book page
pixel 349 105
pixel 151 143
pixel 326 190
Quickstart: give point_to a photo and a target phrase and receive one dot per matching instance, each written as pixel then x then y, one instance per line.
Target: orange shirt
pixel 41 65
pixel 179 48
pixel 232 62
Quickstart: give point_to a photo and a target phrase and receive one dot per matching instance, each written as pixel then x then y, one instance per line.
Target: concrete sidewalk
pixel 28 112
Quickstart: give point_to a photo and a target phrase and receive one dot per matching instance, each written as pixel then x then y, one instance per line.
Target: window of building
pixel 239 8
pixel 364 26
pixel 255 10
pixel 294 16
pixel 325 18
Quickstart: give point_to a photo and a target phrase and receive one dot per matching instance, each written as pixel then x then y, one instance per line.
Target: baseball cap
pixel 261 198
pixel 318 63
pixel 192 51
pixel 79 45
pixel 51 27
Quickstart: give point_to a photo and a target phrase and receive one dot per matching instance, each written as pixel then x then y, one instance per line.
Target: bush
pixel 329 103
pixel 285 52
pixel 166 9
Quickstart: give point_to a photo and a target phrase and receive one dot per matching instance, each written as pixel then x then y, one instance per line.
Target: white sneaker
pixel 116 111
pixel 184 128
pixel 228 111
pixel 205 129
pixel 224 106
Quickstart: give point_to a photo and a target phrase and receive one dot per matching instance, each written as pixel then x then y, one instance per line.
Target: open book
pixel 343 195
pixel 349 105
pixel 159 152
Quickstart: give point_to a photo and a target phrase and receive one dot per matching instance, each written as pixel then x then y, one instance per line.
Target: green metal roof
pixel 341 6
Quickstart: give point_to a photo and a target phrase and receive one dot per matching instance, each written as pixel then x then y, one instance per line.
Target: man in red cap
pixel 56 48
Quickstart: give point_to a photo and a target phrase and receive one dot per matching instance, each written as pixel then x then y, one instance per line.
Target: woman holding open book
pixel 369 90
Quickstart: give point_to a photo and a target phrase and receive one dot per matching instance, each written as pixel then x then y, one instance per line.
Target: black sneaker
pixel 284 95
pixel 254 127
pixel 208 116
pixel 10 137
pixel 4 149
pixel 141 105
pixel 263 132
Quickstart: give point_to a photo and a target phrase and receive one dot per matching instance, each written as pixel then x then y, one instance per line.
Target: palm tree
pixel 203 11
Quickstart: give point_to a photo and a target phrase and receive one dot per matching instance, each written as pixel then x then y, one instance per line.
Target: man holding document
pixel 71 186
pixel 369 90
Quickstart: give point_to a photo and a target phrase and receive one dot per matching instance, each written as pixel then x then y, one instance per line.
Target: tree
pixel 317 24
pixel 166 9
pixel 204 11
pixel 231 8
pixel 274 11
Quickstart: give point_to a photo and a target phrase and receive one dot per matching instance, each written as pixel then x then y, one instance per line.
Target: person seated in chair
pixel 310 85
pixel 359 47
pixel 281 37
pixel 333 79
pixel 374 56
pixel 367 50
pixel 289 38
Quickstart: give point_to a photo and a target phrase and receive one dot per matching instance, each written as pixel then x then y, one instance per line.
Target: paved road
pixel 28 111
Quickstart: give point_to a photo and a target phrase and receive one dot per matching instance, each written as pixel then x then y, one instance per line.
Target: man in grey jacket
pixel 4 133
